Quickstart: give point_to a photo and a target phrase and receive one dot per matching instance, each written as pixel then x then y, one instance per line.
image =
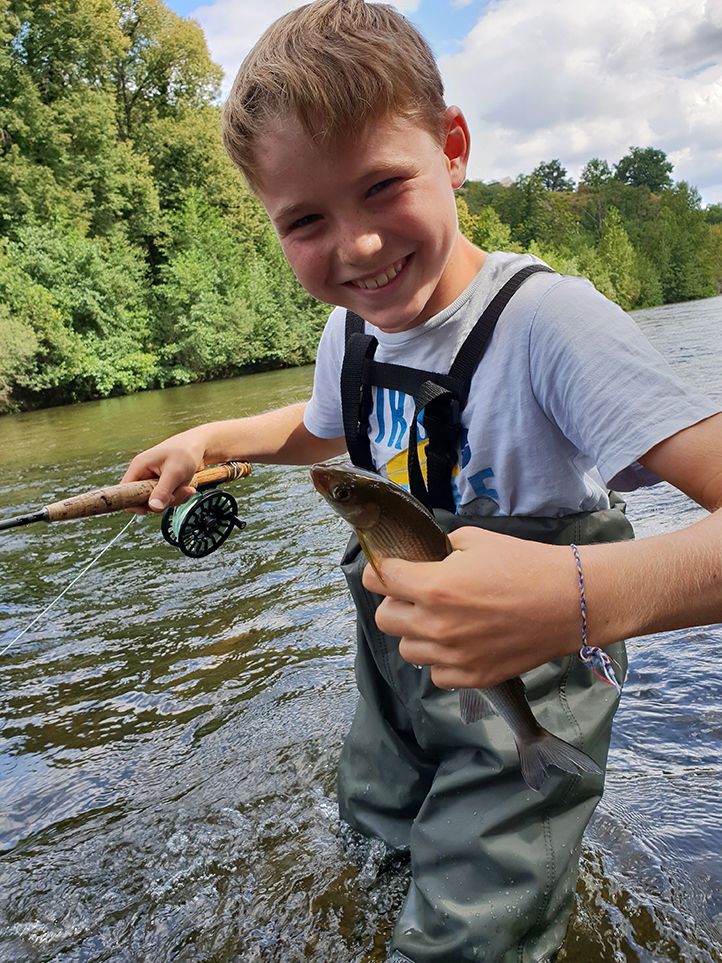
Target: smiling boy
pixel 338 122
pixel 372 224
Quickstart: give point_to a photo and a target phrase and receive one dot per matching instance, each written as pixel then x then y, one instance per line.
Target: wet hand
pixel 495 608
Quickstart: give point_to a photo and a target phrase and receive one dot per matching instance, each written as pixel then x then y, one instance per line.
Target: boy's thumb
pixel 158 500
pixel 162 496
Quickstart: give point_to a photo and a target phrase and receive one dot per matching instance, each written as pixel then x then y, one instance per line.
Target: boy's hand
pixel 173 462
pixel 495 608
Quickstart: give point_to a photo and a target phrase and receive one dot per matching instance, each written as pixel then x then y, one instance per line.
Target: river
pixel 169 729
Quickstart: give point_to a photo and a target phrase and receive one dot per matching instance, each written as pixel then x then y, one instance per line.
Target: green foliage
pixel 716 253
pixel 639 240
pixel 713 214
pixel 131 253
pixel 165 65
pixel 620 259
pixel 74 320
pixel 490 233
pixel 645 167
pixel 485 229
pixel 595 173
pixel 553 176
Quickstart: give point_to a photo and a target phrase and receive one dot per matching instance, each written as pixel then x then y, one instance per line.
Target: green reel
pixel 202 524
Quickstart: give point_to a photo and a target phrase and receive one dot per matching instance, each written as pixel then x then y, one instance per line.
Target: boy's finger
pixel 164 495
pixel 399 578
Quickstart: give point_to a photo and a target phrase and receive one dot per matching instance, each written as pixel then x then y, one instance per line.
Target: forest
pixel 132 255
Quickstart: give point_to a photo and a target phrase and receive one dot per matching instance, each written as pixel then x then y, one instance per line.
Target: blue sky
pixel 444 23
pixel 545 79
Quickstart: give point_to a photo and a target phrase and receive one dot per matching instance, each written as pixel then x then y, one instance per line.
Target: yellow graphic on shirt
pixel 397 468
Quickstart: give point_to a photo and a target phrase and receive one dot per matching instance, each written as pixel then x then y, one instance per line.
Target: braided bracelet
pixel 592 655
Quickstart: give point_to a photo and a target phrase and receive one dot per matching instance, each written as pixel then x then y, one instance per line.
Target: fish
pixel 390 523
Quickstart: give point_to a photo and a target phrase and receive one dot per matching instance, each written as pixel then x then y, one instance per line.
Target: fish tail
pixel 536 755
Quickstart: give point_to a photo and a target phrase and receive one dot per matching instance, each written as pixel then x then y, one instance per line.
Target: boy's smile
pixel 371 224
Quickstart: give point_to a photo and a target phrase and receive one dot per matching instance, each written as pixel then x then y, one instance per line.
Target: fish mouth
pixel 321 478
pixel 380 280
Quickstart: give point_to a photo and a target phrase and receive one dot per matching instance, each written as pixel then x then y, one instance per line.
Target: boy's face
pixel 371 226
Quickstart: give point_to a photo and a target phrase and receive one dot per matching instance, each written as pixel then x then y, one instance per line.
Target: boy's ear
pixel 457 144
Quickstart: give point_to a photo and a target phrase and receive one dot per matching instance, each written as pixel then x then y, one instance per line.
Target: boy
pixel 338 122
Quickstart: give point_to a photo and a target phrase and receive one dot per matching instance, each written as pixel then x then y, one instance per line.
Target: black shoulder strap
pixel 472 350
pixel 441 397
pixel 356 398
pixel 442 410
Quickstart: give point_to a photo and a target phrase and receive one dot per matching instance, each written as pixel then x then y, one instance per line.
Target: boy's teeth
pixel 378 282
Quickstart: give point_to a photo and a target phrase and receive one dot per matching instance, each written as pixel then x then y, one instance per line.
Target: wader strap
pixel 472 350
pixel 441 397
pixel 356 398
pixel 442 421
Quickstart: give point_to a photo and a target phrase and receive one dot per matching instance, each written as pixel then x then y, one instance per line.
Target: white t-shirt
pixel 567 397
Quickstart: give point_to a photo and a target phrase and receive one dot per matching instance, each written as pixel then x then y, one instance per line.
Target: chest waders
pixel 494 864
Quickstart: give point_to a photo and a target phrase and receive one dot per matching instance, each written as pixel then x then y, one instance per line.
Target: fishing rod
pixel 197 528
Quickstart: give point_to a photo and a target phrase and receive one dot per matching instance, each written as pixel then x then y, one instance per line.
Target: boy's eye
pixel 304 221
pixel 382 185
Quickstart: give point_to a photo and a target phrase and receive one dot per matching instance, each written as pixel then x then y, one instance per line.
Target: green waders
pixel 494 864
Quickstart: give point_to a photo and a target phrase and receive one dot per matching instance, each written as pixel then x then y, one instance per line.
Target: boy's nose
pixel 354 247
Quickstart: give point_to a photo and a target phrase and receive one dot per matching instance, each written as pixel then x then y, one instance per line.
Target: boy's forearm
pixel 654 584
pixel 278 437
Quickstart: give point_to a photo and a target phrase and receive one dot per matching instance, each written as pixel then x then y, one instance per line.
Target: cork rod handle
pixel 135 494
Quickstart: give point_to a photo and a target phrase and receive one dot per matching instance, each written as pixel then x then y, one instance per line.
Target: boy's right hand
pixel 173 462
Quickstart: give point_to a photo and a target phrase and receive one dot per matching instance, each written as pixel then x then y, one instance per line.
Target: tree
pixel 619 256
pixel 716 245
pixel 490 233
pixel 596 173
pixel 553 176
pixel 164 66
pixel 680 244
pixel 645 167
pixel 484 229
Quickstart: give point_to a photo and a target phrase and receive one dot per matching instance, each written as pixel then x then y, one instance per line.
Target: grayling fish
pixel 391 523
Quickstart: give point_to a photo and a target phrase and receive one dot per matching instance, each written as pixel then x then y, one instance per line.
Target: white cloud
pixel 232 27
pixel 572 79
pixel 575 79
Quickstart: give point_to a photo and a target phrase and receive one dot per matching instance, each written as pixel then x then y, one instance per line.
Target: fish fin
pixel 545 750
pixel 371 558
pixel 474 706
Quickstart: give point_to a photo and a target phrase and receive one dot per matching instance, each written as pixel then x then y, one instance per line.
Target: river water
pixel 169 730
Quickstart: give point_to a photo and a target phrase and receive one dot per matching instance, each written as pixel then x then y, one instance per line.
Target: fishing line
pixel 135 518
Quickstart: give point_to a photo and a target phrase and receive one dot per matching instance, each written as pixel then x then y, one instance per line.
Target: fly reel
pixel 202 524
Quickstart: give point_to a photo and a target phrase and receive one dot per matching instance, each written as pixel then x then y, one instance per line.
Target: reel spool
pixel 202 524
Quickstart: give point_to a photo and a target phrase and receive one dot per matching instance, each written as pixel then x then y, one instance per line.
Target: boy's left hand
pixel 495 608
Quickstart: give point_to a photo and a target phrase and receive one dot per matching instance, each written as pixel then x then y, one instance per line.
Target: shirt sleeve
pixel 323 416
pixel 608 390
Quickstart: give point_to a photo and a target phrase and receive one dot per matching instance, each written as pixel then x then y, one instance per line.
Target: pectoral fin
pixel 473 706
pixel 369 554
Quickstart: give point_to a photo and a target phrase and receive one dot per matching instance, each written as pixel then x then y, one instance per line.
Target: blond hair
pixel 334 65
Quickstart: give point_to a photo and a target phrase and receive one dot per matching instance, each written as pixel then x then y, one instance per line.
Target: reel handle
pixel 134 494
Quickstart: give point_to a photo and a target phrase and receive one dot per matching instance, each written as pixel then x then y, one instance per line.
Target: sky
pixel 551 79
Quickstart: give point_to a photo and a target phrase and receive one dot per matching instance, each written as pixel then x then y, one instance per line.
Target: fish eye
pixel 341 494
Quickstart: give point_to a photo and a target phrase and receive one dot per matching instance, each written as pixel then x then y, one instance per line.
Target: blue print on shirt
pixel 399 425
pixel 379 409
pixel 393 431
pixel 477 483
